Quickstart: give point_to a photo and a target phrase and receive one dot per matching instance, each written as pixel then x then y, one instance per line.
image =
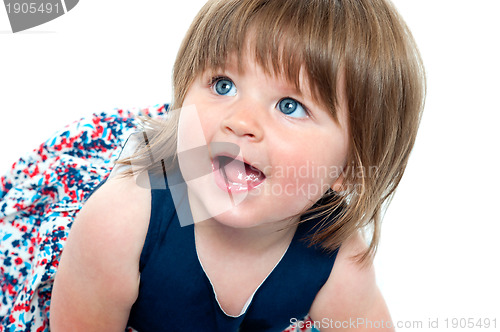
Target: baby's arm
pixel 351 299
pixel 98 276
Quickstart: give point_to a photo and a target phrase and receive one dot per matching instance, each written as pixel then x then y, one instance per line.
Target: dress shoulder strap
pixel 162 213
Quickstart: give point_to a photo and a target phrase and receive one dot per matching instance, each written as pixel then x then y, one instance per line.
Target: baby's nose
pixel 244 122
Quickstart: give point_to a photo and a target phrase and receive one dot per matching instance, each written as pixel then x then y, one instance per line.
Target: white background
pixel 438 256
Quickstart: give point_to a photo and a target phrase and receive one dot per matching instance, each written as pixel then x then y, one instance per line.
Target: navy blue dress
pixel 176 295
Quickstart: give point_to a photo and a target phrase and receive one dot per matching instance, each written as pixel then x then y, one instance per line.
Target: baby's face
pixel 273 149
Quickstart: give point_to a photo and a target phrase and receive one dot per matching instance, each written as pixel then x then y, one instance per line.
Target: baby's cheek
pixel 304 182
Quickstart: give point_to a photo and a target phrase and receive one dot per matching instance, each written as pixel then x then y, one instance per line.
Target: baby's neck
pixel 246 241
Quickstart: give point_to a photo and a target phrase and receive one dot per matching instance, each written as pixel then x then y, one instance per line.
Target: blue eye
pixel 224 87
pixel 292 108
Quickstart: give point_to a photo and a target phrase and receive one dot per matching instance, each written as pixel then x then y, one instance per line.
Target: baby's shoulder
pixel 121 191
pixel 351 290
pixel 120 202
pixel 116 216
pixel 120 197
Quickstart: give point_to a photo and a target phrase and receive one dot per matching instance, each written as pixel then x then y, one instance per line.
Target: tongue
pixel 235 171
pixel 239 172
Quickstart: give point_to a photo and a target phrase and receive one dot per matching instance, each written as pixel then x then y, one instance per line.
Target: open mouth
pixel 237 175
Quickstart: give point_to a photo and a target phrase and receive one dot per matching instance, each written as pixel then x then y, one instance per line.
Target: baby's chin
pixel 236 219
pixel 245 219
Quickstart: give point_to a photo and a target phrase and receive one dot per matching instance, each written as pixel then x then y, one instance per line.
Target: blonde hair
pixel 363 42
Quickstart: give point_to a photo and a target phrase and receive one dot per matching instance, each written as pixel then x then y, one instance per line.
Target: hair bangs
pixel 286 38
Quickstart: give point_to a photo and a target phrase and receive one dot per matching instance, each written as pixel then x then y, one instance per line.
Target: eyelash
pixel 213 80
